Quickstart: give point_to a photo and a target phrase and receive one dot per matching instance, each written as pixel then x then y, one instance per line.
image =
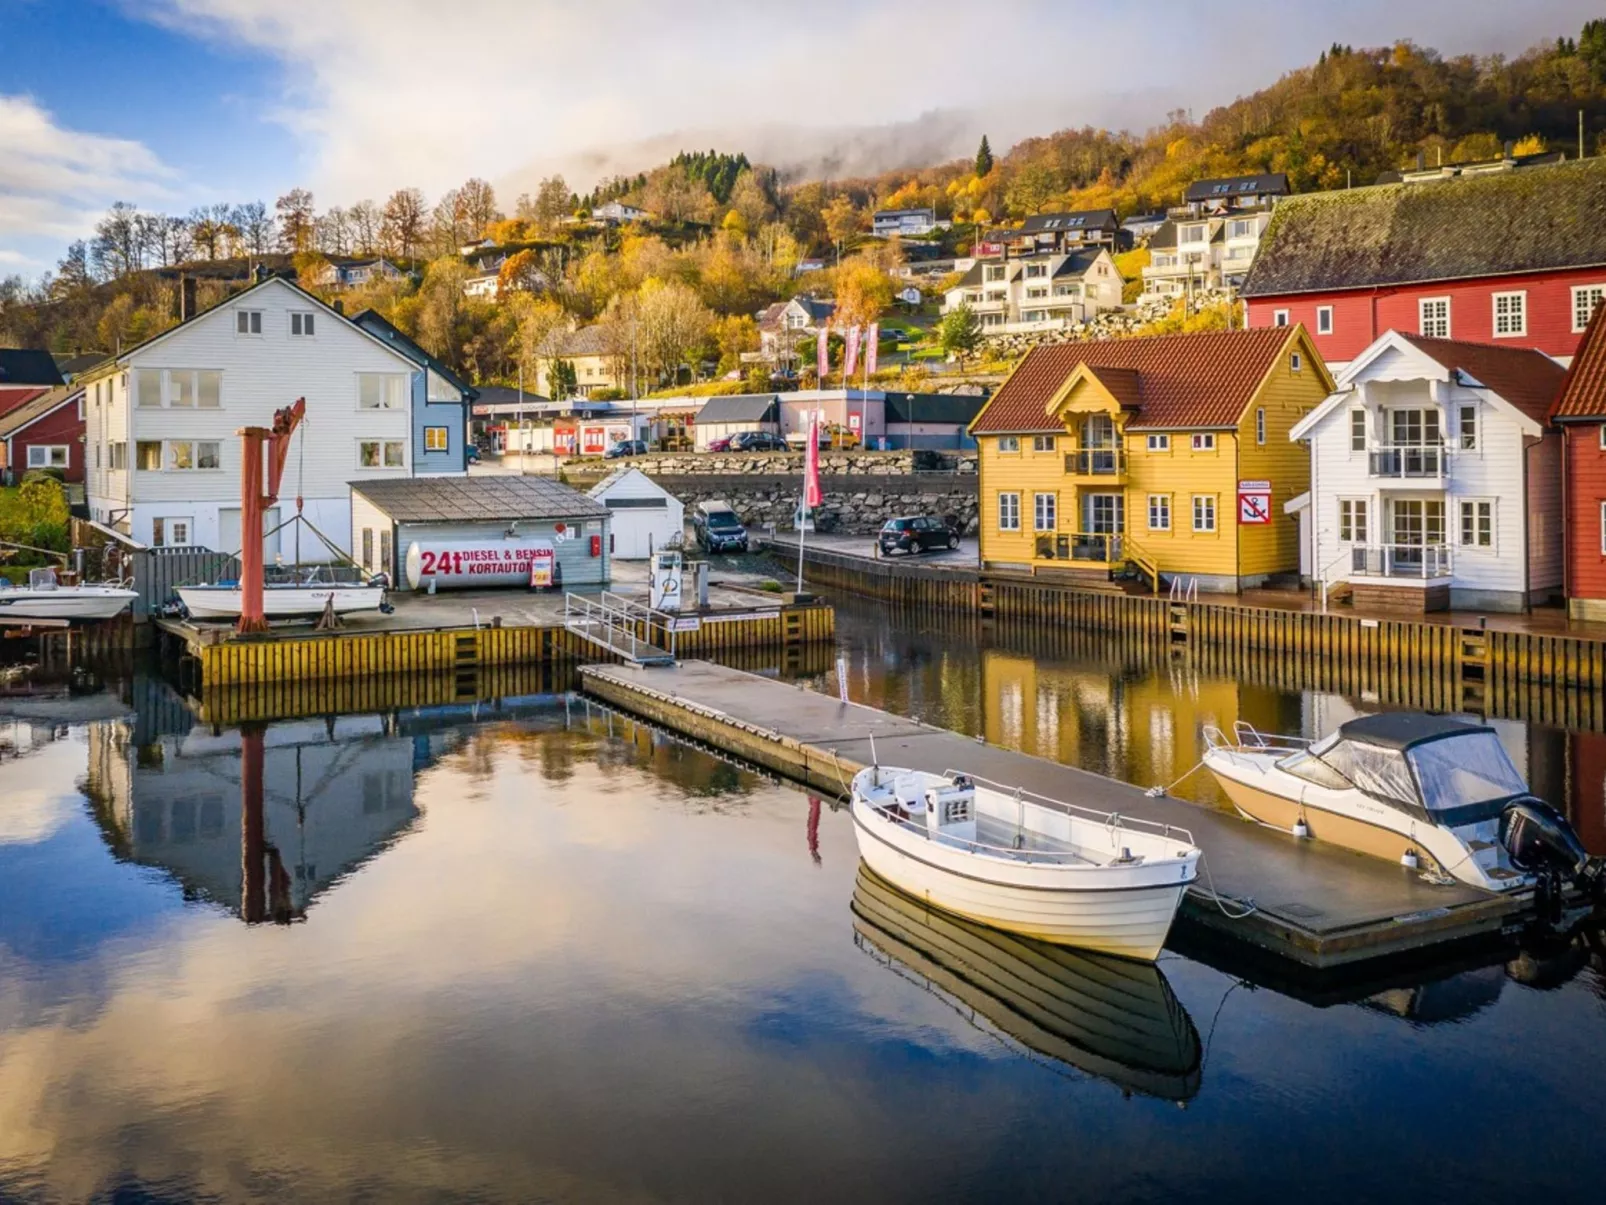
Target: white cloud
pixel 57 180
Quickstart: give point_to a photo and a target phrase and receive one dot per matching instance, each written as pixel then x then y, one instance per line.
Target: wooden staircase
pixel 1142 562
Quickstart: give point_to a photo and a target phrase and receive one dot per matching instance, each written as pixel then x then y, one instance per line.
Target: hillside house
pixel 1188 255
pixel 785 324
pixel 441 403
pixel 162 417
pixel 1231 194
pixel 1046 233
pixel 617 213
pixel 1436 477
pixel 903 223
pixel 346 272
pixel 46 432
pixel 1580 414
pixel 1515 257
pixel 597 365
pixel 1168 455
pixel 1038 293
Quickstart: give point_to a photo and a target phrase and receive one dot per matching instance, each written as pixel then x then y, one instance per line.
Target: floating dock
pixel 1316 905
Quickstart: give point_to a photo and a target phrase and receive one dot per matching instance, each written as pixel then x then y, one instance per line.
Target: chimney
pixel 339 306
pixel 186 298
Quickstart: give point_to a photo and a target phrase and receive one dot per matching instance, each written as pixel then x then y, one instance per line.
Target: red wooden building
pixel 1514 256
pixel 1580 411
pixel 44 433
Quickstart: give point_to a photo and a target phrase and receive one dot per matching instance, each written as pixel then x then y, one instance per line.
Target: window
pixel 185 454
pixel 1159 512
pixel 368 549
pixel 1043 512
pixel 1279 317
pixel 381 391
pixel 301 324
pixel 1585 299
pixel 1260 424
pixel 385 560
pixel 1324 320
pixel 1092 291
pixel 1241 228
pixel 1191 234
pixel 47 456
pixel 1296 362
pixel 1352 520
pixel 1477 524
pixel 248 322
pixel 148 455
pixel 1008 512
pixel 148 386
pixel 1603 528
pixel 1037 292
pixel 1204 443
pixel 379 454
pixel 1510 314
pixel 1357 430
pixel 1159 443
pixel 1434 315
pixel 992 272
pixel 435 439
pixel 171 533
pixel 1036 271
pixel 1415 428
pixel 119 455
pixel 1042 443
pixel 1204 512
pixel 438 389
pixel 1467 423
pixel 1009 443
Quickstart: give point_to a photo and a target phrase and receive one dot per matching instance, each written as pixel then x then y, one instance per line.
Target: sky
pixel 171 104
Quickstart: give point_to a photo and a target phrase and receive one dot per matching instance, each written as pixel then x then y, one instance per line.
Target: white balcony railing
pixel 1413 461
pixel 1419 561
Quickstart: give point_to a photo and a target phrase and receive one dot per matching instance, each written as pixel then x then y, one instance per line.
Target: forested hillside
pixel 727 236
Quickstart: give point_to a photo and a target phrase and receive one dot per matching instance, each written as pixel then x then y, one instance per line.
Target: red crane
pixel 254 502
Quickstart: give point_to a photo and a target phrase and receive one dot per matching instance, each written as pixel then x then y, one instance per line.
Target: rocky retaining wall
pixel 760 464
pixel 850 508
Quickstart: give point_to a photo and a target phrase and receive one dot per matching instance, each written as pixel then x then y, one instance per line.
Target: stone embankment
pixel 1110 324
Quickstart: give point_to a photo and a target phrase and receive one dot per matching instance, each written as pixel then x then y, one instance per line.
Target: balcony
pixel 1107 464
pixel 1422 562
pixel 1090 548
pixel 1409 462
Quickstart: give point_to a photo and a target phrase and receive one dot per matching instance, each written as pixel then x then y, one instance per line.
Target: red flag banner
pixel 811 462
pixel 823 357
pixel 872 341
pixel 850 354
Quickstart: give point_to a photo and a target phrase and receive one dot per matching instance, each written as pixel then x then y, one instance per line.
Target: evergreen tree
pixel 984 157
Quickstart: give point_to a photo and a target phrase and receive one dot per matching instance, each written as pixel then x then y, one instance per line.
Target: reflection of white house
pixel 332 797
pixel 1434 479
pixel 1039 292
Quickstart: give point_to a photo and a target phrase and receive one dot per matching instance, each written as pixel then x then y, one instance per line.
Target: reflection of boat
pixel 1019 862
pixel 44 598
pixel 1405 786
pixel 1110 1017
pixel 283 600
pixel 1454 998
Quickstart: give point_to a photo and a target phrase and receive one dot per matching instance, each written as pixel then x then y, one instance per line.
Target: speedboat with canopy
pixel 1427 791
pixel 46 598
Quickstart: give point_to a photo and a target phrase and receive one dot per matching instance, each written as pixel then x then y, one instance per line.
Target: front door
pixel 1103 520
pixel 1415 523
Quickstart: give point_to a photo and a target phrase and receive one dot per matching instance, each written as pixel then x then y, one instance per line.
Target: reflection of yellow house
pixel 1167 454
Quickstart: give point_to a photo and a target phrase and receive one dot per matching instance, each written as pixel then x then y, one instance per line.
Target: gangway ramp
pixel 622 627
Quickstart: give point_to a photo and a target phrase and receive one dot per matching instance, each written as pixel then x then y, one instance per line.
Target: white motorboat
pixel 283 600
pixel 46 598
pixel 1426 791
pixel 1023 863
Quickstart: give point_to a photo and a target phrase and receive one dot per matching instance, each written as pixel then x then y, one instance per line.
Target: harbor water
pixel 529 950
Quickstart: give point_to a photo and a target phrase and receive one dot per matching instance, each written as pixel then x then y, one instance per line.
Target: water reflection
pixel 1110 1017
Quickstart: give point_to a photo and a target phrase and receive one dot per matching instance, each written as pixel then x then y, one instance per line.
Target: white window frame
pixel 445 439
pixel 1159 443
pixel 48 460
pixel 117 455
pixel 1354 518
pixel 169 450
pixel 1598 292
pixel 1260 424
pixel 1422 319
pixel 248 324
pixel 1358 412
pixel 1296 362
pixel 1603 528
pixel 1203 442
pixel 1204 513
pixel 161 531
pixel 1516 308
pixel 382 452
pixel 1324 320
pixel 1043 443
pixel 1461 431
pixel 387 402
pixel 1461 523
pixel 306 321
pixel 1160 509
pixel 1006 443
pixel 1279 318
pixel 1045 512
pixel 1009 515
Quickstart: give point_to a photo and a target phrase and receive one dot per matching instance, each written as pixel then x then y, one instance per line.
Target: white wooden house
pixel 163 461
pixel 644 515
pixel 1435 478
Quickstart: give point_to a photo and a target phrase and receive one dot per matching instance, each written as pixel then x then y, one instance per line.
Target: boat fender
pixel 1301 829
pixel 1409 860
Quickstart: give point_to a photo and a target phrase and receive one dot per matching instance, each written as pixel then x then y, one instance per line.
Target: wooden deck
pixel 1315 905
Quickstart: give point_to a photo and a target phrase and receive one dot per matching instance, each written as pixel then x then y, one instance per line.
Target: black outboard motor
pixel 1542 843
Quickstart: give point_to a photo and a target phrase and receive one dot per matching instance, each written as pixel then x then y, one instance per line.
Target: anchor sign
pixel 1254 502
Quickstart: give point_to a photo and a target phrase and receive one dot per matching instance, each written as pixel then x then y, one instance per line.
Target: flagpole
pixel 803 505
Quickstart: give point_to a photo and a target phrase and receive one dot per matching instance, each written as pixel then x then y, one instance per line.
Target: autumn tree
pixel 674 196
pixel 842 220
pixel 751 201
pixel 367 228
pixel 255 226
pixel 446 226
pixel 672 323
pixel 441 308
pixel 333 233
pixel 403 220
pixel 476 202
pixel 296 216
pixel 550 205
pixel 540 321
pixel 733 335
pixel 521 273
pixel 960 333
pixel 862 290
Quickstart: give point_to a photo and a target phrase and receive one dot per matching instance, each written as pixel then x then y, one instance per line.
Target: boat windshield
pixel 1307 765
pixel 1372 768
pixel 1462 770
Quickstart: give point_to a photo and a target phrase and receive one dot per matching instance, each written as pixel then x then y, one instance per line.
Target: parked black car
pixel 757 441
pixel 717 528
pixel 626 447
pixel 916 533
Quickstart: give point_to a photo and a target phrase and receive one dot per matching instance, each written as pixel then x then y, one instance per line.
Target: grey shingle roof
pixel 958 408
pixel 1080 219
pixel 587 341
pixel 1534 220
pixel 1225 188
pixel 470 499
pixel 739 408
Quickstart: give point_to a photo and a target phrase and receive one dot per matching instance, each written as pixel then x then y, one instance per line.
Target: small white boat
pixel 1022 863
pixel 283 600
pixel 45 598
pixel 1430 792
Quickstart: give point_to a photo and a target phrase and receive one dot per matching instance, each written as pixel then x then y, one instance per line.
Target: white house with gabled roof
pixel 1436 478
pixel 162 457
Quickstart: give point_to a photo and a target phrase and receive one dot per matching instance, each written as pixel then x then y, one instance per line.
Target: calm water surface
pixel 539 953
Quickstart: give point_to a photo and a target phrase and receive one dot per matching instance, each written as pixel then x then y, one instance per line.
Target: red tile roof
pixel 1182 381
pixel 1583 392
pixel 1529 380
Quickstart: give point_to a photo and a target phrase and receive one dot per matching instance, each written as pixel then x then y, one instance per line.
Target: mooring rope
pixel 1248 904
pixel 1157 792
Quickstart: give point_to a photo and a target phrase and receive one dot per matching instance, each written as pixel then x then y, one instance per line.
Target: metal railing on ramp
pixel 624 628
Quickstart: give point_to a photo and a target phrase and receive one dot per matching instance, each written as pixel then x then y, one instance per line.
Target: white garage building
pixel 643 515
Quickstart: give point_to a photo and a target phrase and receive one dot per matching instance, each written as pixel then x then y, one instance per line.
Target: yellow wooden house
pixel 1166 455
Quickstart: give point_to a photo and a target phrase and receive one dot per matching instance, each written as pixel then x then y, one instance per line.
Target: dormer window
pixel 248 322
pixel 993 272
